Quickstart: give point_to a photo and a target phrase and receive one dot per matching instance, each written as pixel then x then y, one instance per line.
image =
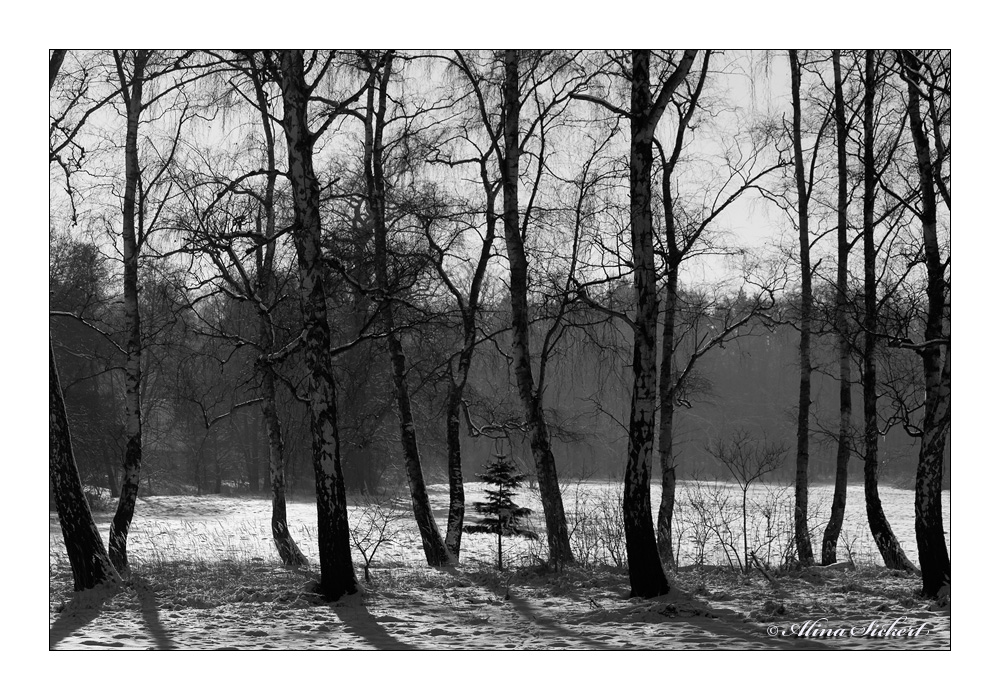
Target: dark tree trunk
pixel 434 548
pixel 456 485
pixel 197 470
pixel 932 548
pixel 87 556
pixel 55 63
pixel 203 481
pixel 288 550
pixel 668 470
pixel 531 400
pixel 469 309
pixel 645 570
pixel 337 576
pixel 832 533
pixel 499 550
pixel 132 97
pixel 675 252
pixel 112 479
pixel 217 458
pixel 88 559
pixel 885 540
pixel 252 455
pixel 803 541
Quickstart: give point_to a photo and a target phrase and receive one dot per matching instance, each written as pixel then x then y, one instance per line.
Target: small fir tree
pixel 501 516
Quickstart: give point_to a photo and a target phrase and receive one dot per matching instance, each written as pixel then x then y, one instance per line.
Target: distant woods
pixel 322 272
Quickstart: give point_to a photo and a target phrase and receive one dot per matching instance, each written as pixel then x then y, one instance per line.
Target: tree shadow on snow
pixel 151 616
pixel 721 629
pixel 78 612
pixel 359 622
pixel 525 610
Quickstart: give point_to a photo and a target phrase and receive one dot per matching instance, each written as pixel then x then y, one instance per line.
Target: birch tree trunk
pixel 531 400
pixel 932 548
pixel 885 539
pixel 645 570
pixel 131 89
pixel 469 308
pixel 55 63
pixel 935 564
pixel 456 484
pixel 434 547
pixel 87 557
pixel 288 550
pixel 668 470
pixel 456 389
pixel 832 533
pixel 803 541
pixel 675 252
pixel 337 576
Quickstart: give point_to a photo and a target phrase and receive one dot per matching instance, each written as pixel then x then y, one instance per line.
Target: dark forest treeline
pixel 750 383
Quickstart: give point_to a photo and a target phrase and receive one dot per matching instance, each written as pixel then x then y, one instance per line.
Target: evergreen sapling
pixel 501 515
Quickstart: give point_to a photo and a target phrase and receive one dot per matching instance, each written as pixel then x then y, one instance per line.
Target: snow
pixel 206 576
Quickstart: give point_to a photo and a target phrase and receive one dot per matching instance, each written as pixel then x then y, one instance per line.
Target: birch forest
pixel 578 334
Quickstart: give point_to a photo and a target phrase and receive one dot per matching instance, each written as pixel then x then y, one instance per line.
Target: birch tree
pixel 538 79
pixel 239 239
pixel 464 278
pixel 684 235
pixel 928 86
pixel 888 546
pixel 264 293
pixel 88 558
pixel 132 78
pixel 645 569
pixel 374 156
pixel 531 398
pixel 468 300
pixel 832 533
pixel 803 540
pixel 143 79
pixel 337 576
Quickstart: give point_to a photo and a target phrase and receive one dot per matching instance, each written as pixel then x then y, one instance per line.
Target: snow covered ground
pixel 206 576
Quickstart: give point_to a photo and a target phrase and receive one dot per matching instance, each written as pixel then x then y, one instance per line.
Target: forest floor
pixel 188 591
